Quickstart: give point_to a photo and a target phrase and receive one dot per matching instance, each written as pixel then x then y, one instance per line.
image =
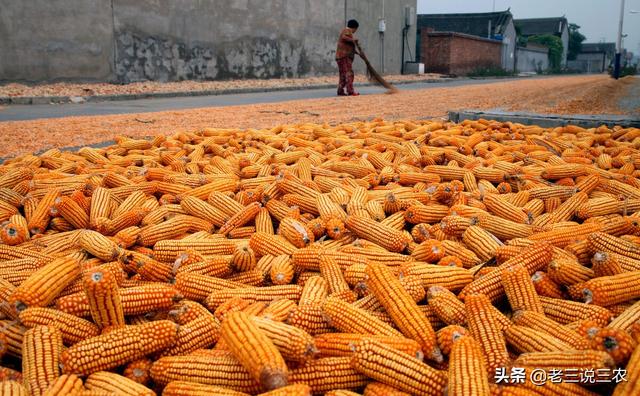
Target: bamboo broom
pixel 373 75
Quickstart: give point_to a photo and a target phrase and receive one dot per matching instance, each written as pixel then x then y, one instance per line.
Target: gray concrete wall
pixel 56 40
pixel 509 47
pixel 133 40
pixel 368 12
pixel 531 60
pixel 589 62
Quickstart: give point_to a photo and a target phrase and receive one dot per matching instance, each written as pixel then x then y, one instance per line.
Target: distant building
pixel 557 26
pixel 594 57
pixel 494 27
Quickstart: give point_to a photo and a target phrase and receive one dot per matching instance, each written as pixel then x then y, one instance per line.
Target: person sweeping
pixel 345 53
pixel 348 46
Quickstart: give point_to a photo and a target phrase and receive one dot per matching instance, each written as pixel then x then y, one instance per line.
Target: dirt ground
pixel 560 95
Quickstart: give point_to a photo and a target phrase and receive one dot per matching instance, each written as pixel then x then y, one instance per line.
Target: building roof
pixel 475 24
pixel 609 48
pixel 537 26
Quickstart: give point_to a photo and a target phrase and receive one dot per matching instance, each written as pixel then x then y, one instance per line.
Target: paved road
pixel 32 112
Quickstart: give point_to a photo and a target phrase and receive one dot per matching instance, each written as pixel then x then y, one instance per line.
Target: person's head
pixel 353 24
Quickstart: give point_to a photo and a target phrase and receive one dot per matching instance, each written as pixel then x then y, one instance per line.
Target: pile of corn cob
pixel 386 258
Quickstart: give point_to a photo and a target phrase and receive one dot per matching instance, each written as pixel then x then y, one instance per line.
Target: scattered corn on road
pixel 592 94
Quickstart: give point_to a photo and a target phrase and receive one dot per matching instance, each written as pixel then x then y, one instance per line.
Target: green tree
pixel 575 41
pixel 555 48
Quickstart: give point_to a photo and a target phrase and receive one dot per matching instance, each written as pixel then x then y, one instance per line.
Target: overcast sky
pixel 598 19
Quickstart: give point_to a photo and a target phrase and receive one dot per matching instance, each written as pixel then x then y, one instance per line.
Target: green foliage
pixel 629 70
pixel 555 48
pixel 489 71
pixel 575 41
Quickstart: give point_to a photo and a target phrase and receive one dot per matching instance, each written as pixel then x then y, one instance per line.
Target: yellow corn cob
pixel 600 241
pixel 44 285
pixel 104 299
pixel 168 250
pixel 402 308
pixel 430 251
pixel 231 305
pixel 293 343
pixel 565 311
pixel 244 258
pixel 310 318
pixel 481 242
pixel 263 244
pixel 114 383
pixel 13 333
pixel 254 294
pixel 41 350
pixel 467 371
pixel 263 221
pixel 524 339
pixel 240 218
pixel 65 385
pixel 380 389
pixel 626 319
pixel 610 290
pixel 589 359
pixel 452 278
pixel 39 220
pixel 392 367
pixel 446 305
pixel 255 351
pixel 539 322
pixel 485 328
pixel 185 388
pixel 326 374
pixel 617 343
pixel 117 347
pixel 505 209
pixel 278 310
pixel 314 291
pixel 569 272
pixel 282 270
pixel 98 245
pixel 346 318
pixel 197 286
pixel 198 333
pixel 532 258
pixel 343 344
pixel 139 371
pixel 254 277
pixel 368 229
pixel 72 328
pixel 72 212
pixel 520 290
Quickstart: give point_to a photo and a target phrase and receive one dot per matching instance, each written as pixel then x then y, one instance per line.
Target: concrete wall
pixel 56 39
pixel 509 47
pixel 368 12
pixel 458 54
pixel 531 60
pixel 127 40
pixel 589 62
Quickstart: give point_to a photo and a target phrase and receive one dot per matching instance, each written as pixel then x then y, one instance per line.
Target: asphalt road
pixel 32 112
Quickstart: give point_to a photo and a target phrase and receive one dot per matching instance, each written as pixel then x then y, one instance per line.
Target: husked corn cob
pixel 201 332
pixel 380 389
pixel 185 388
pixel 524 339
pixel 610 290
pixel 539 322
pixel 117 347
pixel 587 359
pixel 392 367
pixel 346 318
pixel 617 343
pixel 399 304
pixel 520 290
pixel 255 351
pixel 44 285
pixel 486 329
pixel 467 372
pixel 139 371
pixel 99 246
pixel 104 299
pixel 115 383
pixel 310 318
pixel 368 229
pixel 325 374
pixel 40 358
pixel 254 294
pixel 565 311
pixel 293 343
pixel 168 250
pixel 446 305
pixel 65 385
pixel 343 344
pixel 198 287
pixel 72 328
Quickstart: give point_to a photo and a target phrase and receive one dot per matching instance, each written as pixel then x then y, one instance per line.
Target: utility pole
pixel 616 67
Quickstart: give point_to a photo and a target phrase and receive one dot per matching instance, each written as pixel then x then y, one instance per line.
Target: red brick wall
pixel 458 54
